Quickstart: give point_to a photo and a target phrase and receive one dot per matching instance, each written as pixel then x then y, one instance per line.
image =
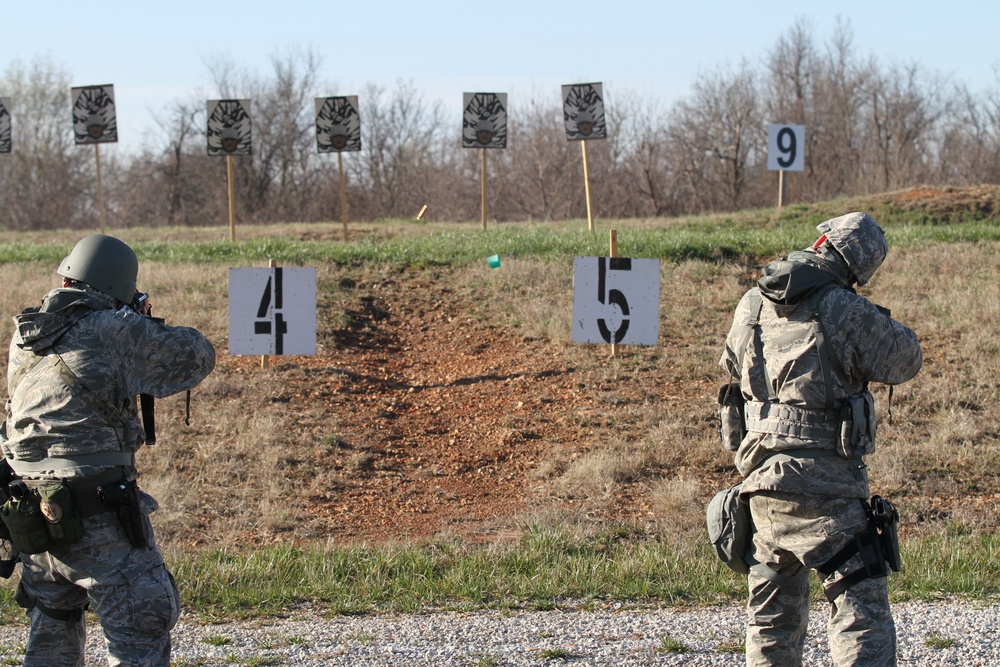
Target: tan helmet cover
pixel 859 240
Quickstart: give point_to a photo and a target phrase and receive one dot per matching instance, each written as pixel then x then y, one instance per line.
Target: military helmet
pixel 105 263
pixel 859 240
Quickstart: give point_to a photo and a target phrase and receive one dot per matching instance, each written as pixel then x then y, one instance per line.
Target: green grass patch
pixel 546 569
pixel 759 233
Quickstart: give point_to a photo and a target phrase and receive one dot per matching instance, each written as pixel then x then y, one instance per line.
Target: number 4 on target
pixel 272 311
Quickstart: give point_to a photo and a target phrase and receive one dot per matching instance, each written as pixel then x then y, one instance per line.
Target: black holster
pixel 124 498
pixel 884 520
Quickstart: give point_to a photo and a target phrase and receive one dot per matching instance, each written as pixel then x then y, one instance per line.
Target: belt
pixel 783 419
pixel 84 490
pixel 98 460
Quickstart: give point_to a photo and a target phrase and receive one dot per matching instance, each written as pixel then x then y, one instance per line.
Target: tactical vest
pixel 802 339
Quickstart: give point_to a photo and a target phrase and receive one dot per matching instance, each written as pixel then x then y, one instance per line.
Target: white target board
pixel 786 147
pixel 616 300
pixel 272 311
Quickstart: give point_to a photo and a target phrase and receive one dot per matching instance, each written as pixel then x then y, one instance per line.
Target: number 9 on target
pixel 786 147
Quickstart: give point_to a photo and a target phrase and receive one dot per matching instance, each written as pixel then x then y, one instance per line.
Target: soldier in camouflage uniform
pixel 76 365
pixel 803 345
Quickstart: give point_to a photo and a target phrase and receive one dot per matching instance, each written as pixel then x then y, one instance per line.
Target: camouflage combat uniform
pixel 795 372
pixel 116 354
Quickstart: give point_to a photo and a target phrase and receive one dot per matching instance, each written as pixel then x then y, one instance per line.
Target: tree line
pixel 870 126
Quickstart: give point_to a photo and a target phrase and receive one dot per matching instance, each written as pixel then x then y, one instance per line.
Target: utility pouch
pixel 22 514
pixel 57 506
pixel 732 416
pixel 857 427
pixel 124 497
pixel 730 528
pixel 885 521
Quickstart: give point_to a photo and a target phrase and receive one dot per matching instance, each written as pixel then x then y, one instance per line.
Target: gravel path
pixel 930 634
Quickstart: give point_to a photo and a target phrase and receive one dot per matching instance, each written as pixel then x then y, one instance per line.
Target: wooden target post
pixel 343 193
pixel 264 359
pixel 586 187
pixel 232 210
pixel 614 253
pixel 100 187
pixel 781 187
pixel 483 179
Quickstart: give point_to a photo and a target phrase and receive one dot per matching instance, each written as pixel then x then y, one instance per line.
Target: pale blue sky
pixel 157 52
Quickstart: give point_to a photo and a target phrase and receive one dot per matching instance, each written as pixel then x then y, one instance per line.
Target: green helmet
pixel 105 263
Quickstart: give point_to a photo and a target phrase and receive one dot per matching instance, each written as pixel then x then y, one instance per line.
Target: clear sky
pixel 155 52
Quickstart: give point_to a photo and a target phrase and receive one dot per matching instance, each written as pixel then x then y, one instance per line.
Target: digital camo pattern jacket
pixel 116 355
pixel 869 345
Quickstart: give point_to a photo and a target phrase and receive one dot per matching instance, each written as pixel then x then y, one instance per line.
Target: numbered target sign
pixel 272 311
pixel 786 147
pixel 616 300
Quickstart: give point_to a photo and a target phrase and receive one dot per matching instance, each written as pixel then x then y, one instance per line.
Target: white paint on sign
pixel 786 147
pixel 616 300
pixel 272 311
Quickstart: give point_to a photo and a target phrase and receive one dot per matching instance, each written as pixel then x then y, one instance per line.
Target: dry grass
pixel 223 475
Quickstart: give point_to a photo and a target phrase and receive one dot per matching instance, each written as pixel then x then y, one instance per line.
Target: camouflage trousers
pixel 130 589
pixel 796 534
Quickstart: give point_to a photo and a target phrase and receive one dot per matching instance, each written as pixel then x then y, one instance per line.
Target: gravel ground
pixel 929 634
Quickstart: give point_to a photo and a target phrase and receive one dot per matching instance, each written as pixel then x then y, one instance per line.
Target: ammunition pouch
pixel 878 546
pixel 41 517
pixel 857 427
pixel 732 416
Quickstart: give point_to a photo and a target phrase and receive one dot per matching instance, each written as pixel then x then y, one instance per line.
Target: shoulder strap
pixel 756 304
pixel 829 363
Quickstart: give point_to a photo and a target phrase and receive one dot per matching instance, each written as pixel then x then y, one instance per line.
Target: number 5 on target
pixel 272 311
pixel 616 300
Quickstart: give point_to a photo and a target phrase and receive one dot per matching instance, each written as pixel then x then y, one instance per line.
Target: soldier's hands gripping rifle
pixel 140 304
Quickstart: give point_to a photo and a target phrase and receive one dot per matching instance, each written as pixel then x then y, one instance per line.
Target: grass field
pixel 616 516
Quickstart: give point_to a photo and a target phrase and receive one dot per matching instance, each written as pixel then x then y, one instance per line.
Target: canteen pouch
pixel 732 416
pixel 22 514
pixel 857 427
pixel 56 505
pixel 730 528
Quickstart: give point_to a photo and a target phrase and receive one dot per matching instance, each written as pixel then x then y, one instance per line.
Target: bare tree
pixel 904 108
pixel 48 182
pixel 400 142
pixel 541 170
pixel 716 137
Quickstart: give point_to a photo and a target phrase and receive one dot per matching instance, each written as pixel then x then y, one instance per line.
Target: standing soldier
pixel 77 363
pixel 801 351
